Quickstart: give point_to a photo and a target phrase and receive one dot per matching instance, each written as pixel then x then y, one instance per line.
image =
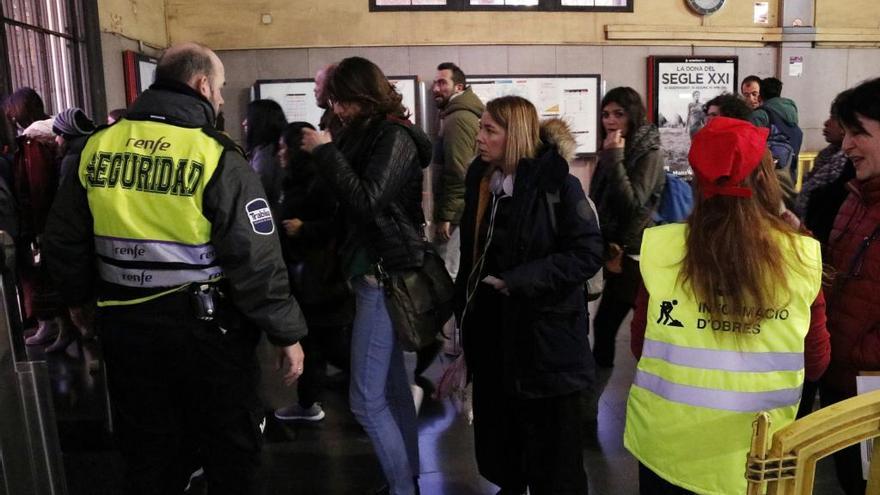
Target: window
pixel 398 5
pixel 46 50
pixel 496 5
pixel 597 5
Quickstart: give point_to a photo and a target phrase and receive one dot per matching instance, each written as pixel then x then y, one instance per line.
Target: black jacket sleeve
pixel 251 261
pixel 380 180
pixel 68 243
pixel 578 255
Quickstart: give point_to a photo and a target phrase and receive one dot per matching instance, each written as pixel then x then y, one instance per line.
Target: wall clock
pixel 705 7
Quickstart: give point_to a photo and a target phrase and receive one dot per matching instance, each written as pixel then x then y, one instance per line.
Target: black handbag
pixel 419 301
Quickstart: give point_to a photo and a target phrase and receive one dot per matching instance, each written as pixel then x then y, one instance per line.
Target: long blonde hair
pixel 735 247
pixel 519 119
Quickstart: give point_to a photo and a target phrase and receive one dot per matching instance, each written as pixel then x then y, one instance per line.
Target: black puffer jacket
pixel 375 169
pixel 549 256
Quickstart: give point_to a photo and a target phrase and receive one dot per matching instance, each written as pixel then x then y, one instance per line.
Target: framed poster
pixel 297 97
pixel 571 97
pixel 678 88
pixel 139 72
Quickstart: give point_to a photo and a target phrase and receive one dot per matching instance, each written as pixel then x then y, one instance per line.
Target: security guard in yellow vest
pixel 709 362
pixel 168 228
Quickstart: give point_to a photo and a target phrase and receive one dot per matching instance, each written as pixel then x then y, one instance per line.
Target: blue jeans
pixel 379 394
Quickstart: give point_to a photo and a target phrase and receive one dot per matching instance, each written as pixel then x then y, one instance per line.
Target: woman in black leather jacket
pixel 529 242
pixel 375 169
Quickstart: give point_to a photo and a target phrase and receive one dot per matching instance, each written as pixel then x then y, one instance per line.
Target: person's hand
pixel 292 226
pixel 790 218
pixel 443 230
pixel 312 139
pixel 497 284
pixel 290 362
pixel 614 140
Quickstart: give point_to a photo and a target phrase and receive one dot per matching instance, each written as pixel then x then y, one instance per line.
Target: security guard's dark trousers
pixel 184 395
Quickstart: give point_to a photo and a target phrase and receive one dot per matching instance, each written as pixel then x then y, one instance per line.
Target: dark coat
pixel 456 147
pixel 544 325
pixel 316 276
pixel 376 173
pixel 627 187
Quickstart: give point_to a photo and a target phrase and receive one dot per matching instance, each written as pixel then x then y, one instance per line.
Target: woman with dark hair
pixel 854 254
pixel 310 232
pixel 23 108
pixel 35 181
pixel 529 242
pixel 374 166
pixel 263 125
pixel 824 187
pixel 626 188
pixel 729 321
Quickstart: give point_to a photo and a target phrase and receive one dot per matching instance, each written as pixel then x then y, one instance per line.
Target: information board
pixel 297 97
pixel 573 98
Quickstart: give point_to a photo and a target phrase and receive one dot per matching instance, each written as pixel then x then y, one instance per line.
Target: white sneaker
pixel 297 412
pixel 195 474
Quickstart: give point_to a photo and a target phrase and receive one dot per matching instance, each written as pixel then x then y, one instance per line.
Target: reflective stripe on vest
pixel 145 182
pixel 717 399
pixel 703 374
pixel 713 359
pixel 154 251
pixel 154 278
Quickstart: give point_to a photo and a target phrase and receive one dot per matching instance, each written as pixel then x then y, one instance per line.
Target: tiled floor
pixel 334 457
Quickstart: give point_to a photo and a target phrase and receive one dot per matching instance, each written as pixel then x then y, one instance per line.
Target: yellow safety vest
pixel 144 182
pixel 701 380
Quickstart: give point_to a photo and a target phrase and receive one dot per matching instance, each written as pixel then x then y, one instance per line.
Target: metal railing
pixel 30 452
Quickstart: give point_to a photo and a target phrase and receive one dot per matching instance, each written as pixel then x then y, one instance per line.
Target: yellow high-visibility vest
pixel 701 379
pixel 144 182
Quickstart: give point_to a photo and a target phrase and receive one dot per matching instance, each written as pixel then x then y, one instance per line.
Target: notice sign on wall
pixel 679 88
pixel 571 97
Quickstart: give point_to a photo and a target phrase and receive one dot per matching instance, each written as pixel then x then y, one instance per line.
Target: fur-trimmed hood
pixel 557 151
pixel 557 133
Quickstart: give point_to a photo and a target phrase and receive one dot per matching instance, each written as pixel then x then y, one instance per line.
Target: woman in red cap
pixel 729 322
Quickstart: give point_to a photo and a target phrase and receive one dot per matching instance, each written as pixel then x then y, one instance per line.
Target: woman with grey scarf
pixel 824 187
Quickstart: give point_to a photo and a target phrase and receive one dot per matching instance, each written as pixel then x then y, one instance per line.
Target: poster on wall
pixel 139 71
pixel 573 98
pixel 297 97
pixel 678 89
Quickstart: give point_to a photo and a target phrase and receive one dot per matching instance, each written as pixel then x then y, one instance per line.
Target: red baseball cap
pixel 724 153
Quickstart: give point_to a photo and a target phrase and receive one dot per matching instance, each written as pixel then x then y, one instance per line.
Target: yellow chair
pixel 805 163
pixel 789 465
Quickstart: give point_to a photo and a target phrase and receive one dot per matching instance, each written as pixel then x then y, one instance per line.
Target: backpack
pixel 676 202
pixel 784 141
pixel 596 284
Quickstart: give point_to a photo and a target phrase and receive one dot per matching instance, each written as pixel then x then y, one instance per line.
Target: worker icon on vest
pixel 666 314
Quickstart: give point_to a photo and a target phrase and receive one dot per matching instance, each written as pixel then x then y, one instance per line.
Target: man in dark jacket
pixel 460 111
pixel 189 270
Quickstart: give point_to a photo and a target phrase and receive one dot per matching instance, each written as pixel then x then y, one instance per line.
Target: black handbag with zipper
pixel 419 300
